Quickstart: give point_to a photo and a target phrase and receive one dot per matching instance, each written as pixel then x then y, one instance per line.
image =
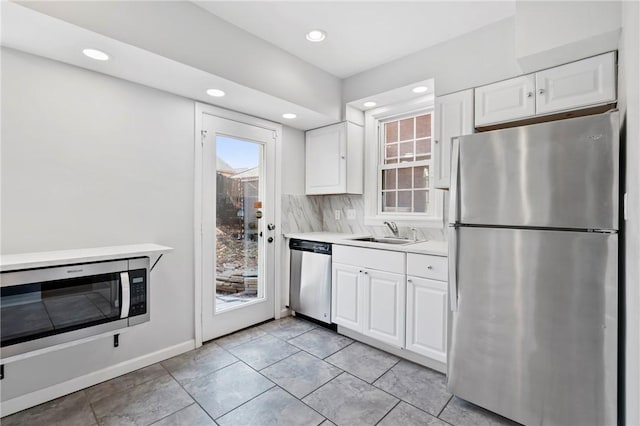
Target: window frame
pixel 374 164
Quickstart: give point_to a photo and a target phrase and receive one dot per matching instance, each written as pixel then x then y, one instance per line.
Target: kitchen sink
pixel 385 240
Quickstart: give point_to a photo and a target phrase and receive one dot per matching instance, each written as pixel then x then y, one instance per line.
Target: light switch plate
pixel 337 214
pixel 351 214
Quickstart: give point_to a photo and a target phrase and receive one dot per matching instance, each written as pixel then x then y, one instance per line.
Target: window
pixel 404 164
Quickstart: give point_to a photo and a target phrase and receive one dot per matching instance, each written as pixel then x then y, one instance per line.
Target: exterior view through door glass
pixel 237 243
pixel 238 222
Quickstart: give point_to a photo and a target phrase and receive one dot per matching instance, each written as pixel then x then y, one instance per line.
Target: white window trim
pixel 373 217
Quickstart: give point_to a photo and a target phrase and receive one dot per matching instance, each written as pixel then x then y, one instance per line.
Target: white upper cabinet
pixel 334 159
pixel 453 117
pixel 505 101
pixel 591 81
pixel 573 86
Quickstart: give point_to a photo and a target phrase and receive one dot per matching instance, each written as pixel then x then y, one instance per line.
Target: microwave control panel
pixel 138 285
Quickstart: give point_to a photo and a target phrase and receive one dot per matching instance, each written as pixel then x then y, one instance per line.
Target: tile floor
pixel 285 372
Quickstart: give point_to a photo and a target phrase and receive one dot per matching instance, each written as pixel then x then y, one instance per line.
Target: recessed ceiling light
pixel 420 89
pixel 316 35
pixel 98 55
pixel 289 115
pixel 369 104
pixel 216 93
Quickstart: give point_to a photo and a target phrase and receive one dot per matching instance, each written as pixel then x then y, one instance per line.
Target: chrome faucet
pixel 393 227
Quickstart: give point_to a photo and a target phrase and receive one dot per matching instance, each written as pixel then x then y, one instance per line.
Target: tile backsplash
pixel 302 213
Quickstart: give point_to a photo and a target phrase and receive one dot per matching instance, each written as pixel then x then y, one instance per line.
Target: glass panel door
pixel 239 214
pixel 238 256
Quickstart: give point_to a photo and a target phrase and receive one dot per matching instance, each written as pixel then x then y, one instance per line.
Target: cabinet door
pixel 346 303
pixel 453 117
pixel 505 101
pixel 427 317
pixel 384 306
pixel 576 85
pixel 326 165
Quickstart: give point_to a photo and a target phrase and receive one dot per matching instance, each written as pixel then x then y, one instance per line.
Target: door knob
pixel 540 91
pixel 429 267
pixel 270 239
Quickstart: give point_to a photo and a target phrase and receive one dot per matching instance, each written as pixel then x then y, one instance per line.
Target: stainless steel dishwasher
pixel 310 279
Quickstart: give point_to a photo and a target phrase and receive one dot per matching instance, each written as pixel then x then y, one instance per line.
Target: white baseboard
pixel 56 391
pixel 284 312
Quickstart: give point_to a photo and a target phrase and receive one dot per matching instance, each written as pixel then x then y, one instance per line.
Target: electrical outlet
pixel 351 214
pixel 337 214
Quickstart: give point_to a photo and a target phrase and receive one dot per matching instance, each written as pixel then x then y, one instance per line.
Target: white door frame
pixel 200 109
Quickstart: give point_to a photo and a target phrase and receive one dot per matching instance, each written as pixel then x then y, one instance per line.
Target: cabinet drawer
pixel 381 260
pixel 425 266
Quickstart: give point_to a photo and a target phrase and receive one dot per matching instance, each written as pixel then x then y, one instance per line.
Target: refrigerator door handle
pixel 453 268
pixel 453 190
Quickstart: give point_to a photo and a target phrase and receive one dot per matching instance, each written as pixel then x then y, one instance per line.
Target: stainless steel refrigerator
pixel 533 271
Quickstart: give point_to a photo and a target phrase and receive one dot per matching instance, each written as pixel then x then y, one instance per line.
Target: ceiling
pixel 360 35
pixel 36 33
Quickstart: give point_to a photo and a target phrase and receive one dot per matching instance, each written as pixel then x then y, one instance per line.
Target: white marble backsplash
pixel 301 213
pixel 317 213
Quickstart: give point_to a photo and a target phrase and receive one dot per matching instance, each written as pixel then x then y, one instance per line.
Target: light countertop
pixel 13 262
pixel 435 248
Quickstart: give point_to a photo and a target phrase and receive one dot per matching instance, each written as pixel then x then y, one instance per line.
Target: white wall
pixel 184 32
pixel 541 34
pixel 474 59
pixel 90 160
pixel 292 161
pixel 551 33
pixel 629 97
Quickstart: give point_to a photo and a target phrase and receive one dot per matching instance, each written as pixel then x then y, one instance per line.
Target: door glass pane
pixel 239 208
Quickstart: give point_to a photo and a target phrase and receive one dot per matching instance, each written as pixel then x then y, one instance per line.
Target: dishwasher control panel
pixel 310 246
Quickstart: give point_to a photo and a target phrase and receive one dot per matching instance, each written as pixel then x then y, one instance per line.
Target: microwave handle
pixel 126 294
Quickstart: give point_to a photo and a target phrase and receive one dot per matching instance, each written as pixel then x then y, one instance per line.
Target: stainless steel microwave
pixel 44 307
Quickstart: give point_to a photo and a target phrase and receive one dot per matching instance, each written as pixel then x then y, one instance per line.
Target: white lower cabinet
pixel 404 311
pixel 427 317
pixel 384 306
pixel 370 302
pixel 346 299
